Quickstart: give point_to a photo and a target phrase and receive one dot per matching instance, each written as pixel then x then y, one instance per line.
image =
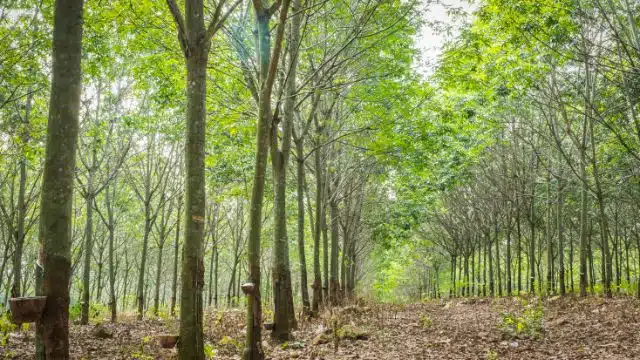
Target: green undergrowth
pixel 527 323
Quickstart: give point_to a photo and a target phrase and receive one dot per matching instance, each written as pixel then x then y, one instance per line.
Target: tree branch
pixel 179 20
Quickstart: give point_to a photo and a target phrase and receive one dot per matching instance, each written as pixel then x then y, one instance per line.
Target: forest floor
pixel 503 328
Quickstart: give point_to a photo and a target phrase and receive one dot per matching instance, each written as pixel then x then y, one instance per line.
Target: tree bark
pixel 268 66
pixel 334 284
pixel 88 250
pixel 560 225
pixel 57 184
pixel 284 314
pixel 532 222
pixel 306 305
pixel 22 205
pixel 317 277
pixel 191 307
pixel 176 251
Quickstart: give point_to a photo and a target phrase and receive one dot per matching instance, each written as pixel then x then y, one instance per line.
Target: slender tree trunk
pixel 176 251
pixel 325 245
pixel 57 184
pixel 583 226
pixel 592 277
pixel 560 225
pixel 638 281
pixel 532 215
pixel 306 305
pixel 484 270
pixel 88 250
pixel 109 193
pixel 497 231
pixel 211 264
pixel 473 269
pixel 602 218
pixel 550 287
pixel 519 246
pixel 268 67
pixel 490 255
pixel 156 298
pixel 571 262
pixel 22 206
pixel 626 250
pixel 452 289
pixel 465 289
pixel 5 260
pixel 215 277
pixel 143 258
pixel 317 277
pixel 284 314
pixel 508 264
pixel 232 281
pixel 98 291
pixel 125 284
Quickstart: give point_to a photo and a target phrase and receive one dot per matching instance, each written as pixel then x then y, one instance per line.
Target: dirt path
pixel 460 329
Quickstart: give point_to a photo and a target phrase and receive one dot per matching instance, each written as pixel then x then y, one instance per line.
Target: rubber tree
pixel 334 282
pixel 268 66
pixel 195 42
pixel 176 251
pixel 19 231
pixel 298 138
pixel 283 312
pixel 317 231
pixel 57 183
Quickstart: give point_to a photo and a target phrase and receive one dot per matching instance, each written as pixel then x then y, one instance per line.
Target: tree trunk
pixel 156 297
pixel 22 206
pixel 473 269
pixel 57 184
pixel 519 245
pixel 215 277
pixel 334 284
pixel 508 264
pixel 497 231
pixel 211 261
pixel 583 226
pixel 306 305
pixel 550 287
pixel 268 68
pixel 110 191
pixel 452 289
pixel 176 251
pixel 253 350
pixel 88 250
pixel 143 258
pixel 560 225
pixel 484 270
pixel 325 245
pixel 283 313
pixel 490 255
pixel 532 216
pixel 191 307
pixel 317 277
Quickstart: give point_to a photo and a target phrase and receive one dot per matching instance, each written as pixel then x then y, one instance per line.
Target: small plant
pixel 528 324
pixel 209 351
pixel 425 321
pixel 95 311
pixel 140 354
pixel 6 326
pixel 229 341
pixel 491 355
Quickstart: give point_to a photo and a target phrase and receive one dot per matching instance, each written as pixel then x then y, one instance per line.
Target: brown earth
pixel 571 328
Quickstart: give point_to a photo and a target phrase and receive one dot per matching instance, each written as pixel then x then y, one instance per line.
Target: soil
pixel 568 328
